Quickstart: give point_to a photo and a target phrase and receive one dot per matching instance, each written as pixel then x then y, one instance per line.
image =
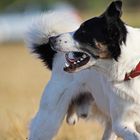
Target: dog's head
pixel 96 39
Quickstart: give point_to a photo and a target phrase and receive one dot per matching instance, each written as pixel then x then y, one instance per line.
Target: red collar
pixel 134 73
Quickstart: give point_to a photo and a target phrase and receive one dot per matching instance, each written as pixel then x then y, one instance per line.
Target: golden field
pixel 22 80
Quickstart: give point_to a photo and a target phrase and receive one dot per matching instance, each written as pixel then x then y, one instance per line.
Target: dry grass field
pixel 22 79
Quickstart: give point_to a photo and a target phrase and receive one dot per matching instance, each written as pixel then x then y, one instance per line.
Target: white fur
pixel 50 24
pixel 118 99
pixel 63 86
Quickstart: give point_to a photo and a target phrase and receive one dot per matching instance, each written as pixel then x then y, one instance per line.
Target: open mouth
pixel 75 60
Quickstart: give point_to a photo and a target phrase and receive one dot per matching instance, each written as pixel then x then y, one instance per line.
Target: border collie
pixel 65 93
pixel 111 49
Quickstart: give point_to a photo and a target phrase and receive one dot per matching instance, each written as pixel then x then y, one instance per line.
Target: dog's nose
pixel 52 40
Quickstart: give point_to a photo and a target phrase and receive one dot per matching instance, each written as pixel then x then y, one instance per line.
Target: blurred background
pixel 23 77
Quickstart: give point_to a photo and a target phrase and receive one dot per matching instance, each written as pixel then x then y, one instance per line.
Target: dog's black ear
pixel 114 10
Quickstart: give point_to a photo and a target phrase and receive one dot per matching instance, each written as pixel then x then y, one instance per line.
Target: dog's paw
pixel 72 120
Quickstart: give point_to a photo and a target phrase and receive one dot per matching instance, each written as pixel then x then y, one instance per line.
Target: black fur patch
pixel 45 53
pixel 82 98
pixel 107 29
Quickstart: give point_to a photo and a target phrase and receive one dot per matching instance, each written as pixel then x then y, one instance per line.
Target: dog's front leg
pixel 53 107
pixel 108 132
pixel 123 122
pixel 126 131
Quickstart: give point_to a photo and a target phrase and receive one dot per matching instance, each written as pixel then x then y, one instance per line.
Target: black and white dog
pixel 112 57
pixel 65 93
pixel 107 52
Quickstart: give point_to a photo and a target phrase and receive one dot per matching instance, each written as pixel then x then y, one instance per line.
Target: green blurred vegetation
pixel 21 5
pixel 87 8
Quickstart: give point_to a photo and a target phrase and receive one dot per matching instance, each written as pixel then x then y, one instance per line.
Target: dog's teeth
pixel 78 61
pixel 81 59
pixel 74 63
pixel 66 64
pixel 84 56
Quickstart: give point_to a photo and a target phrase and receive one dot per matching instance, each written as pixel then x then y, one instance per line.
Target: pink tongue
pixel 71 57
